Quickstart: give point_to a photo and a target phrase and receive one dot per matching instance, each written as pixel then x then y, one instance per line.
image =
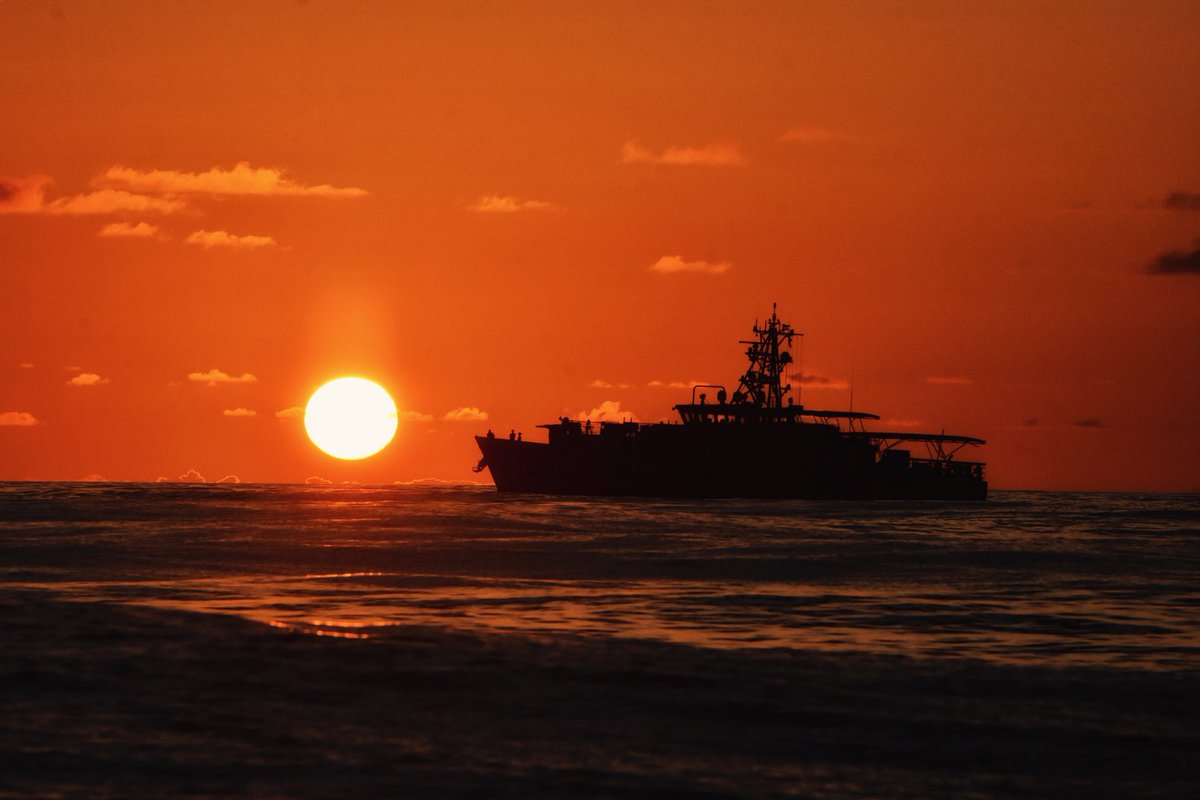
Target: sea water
pixel 315 641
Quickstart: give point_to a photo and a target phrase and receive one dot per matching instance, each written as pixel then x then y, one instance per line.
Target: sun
pixel 350 418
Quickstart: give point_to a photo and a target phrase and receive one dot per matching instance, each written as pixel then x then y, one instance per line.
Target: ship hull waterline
pixel 690 464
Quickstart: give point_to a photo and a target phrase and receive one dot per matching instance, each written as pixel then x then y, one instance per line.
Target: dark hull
pixel 700 461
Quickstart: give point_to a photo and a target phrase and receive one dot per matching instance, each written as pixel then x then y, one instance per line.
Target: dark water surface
pixel 295 641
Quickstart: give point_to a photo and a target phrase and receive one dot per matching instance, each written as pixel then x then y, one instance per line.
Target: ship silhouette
pixel 756 442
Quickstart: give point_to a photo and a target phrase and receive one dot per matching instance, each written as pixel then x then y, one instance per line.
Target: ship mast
pixel 769 354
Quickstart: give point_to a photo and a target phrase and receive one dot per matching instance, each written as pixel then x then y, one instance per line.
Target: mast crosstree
pixel 770 354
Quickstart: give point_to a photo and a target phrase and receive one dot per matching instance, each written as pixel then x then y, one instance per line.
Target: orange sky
pixel 958 203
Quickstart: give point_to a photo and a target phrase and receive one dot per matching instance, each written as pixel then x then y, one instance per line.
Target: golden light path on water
pixel 826 618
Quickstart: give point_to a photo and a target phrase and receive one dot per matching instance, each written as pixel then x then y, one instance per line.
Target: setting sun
pixel 350 418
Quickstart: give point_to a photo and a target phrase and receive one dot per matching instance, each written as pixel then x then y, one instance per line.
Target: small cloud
pixel 815 382
pixel 23 195
pixel 413 416
pixel 314 480
pixel 465 414
pixel 1182 201
pixel 608 411
pixel 230 479
pixel 239 412
pixel 109 201
pixel 901 423
pixel 1176 263
pixel 141 230
pixel 1088 422
pixel 714 155
pixel 215 376
pixel 207 239
pixel 809 134
pixel 192 476
pixel 295 412
pixel 241 179
pixel 26 365
pixel 94 477
pixel 19 419
pixel 948 380
pixel 87 379
pixel 1032 422
pixel 673 264
pixel 503 204
pixel 28 196
pixel 657 384
pixel 600 383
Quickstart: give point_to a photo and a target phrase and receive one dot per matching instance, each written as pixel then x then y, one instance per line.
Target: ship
pixel 756 442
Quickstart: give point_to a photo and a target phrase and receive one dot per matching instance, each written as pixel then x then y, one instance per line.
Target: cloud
pixel 657 384
pixel 26 365
pixel 816 382
pixel 242 179
pixel 294 412
pixel 888 424
pixel 239 412
pixel 207 239
pixel 437 482
pixel 494 203
pixel 465 414
pixel 948 380
pixel 141 230
pixel 87 379
pixel 600 383
pixel 1182 201
pixel 230 479
pixel 413 416
pixel 809 134
pixel 1088 422
pixel 714 155
pixel 19 419
pixel 192 476
pixel 672 264
pixel 1176 262
pixel 608 411
pixel 215 376
pixel 23 195
pixel 28 196
pixel 94 477
pixel 109 201
pixel 314 480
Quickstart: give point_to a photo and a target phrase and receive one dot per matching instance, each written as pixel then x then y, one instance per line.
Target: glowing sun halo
pixel 350 418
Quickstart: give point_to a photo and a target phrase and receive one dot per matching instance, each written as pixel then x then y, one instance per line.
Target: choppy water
pixel 1050 595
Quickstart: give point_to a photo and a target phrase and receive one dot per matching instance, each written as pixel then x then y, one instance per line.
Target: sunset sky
pixel 984 215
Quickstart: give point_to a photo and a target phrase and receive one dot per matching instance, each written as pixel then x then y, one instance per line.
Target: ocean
pixel 276 641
